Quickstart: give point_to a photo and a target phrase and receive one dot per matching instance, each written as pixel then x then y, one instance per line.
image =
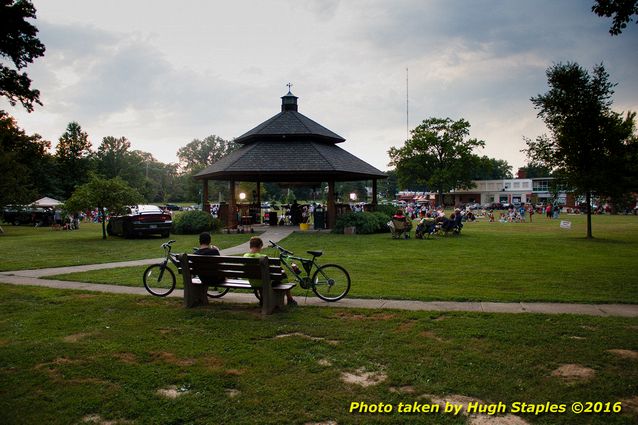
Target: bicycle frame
pixel 304 281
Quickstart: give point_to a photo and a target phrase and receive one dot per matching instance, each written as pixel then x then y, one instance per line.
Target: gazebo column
pixel 232 206
pixel 258 201
pixel 332 207
pixel 374 194
pixel 205 204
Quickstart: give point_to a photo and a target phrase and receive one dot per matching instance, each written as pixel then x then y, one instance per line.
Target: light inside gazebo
pixel 242 196
pixel 353 196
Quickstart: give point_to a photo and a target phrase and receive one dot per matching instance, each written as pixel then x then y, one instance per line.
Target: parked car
pixel 18 215
pixel 172 207
pixel 140 220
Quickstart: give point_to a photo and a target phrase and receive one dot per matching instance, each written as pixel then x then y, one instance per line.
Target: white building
pixel 508 191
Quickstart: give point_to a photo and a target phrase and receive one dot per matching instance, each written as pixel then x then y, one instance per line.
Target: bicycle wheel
pixel 216 291
pixel 331 282
pixel 159 280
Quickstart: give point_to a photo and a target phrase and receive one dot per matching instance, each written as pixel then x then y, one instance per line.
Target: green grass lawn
pixel 71 357
pixel 35 248
pixel 536 261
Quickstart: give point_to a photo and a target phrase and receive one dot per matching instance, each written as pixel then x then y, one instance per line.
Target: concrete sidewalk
pixel 36 278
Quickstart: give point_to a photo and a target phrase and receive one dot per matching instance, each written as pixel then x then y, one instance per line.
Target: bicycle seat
pixel 315 253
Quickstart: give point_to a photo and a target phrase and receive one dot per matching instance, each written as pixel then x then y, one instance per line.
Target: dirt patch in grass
pixel 452 399
pixel 128 358
pixel 626 354
pixel 77 337
pixel 431 335
pixel 97 419
pixel 234 372
pixel 312 338
pixel 231 392
pixel 589 328
pixel 171 358
pixel 579 338
pixel 172 392
pixel 321 423
pixel 405 389
pixel 3 342
pixel 405 326
pixel 496 420
pixel 630 404
pixel 85 296
pixel 574 373
pixel 363 378
pixel 211 363
pixel 324 362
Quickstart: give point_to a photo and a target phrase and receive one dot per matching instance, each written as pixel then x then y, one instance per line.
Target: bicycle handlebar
pixel 168 244
pixel 280 248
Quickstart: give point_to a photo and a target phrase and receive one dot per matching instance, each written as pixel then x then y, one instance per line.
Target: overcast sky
pixel 163 73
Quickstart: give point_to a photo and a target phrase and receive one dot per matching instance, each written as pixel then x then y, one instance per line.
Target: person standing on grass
pixel 256 244
pixel 531 212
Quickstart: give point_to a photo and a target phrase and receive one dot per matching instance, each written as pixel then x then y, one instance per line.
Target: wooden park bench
pixel 234 272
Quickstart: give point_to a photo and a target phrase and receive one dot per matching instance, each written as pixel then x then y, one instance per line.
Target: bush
pixel 194 222
pixel 388 210
pixel 365 222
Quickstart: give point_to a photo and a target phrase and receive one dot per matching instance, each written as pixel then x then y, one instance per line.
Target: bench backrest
pixel 225 267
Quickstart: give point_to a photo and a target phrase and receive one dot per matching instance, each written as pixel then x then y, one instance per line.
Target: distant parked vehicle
pixel 140 220
pixel 18 215
pixel 172 207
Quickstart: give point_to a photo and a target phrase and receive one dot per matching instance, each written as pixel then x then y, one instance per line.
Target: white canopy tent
pixel 46 202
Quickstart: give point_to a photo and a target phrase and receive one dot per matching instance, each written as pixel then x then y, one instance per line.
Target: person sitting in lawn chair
pixel 400 225
pixel 426 227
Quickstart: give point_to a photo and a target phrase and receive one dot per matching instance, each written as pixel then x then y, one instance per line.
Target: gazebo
pixel 289 148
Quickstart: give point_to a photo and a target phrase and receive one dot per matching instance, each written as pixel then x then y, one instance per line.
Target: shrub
pixel 388 210
pixel 365 222
pixel 194 222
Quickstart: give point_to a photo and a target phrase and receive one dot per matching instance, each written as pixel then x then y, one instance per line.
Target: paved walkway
pixel 37 278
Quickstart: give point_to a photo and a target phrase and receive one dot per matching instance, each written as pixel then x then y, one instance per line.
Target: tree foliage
pixel 622 12
pixel 18 42
pixel 439 155
pixel 21 158
pixel 198 155
pixel 112 194
pixel 73 154
pixel 589 145
pixel 486 168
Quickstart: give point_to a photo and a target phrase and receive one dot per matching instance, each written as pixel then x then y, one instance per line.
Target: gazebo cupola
pixel 289 102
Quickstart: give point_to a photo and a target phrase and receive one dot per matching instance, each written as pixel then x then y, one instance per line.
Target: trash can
pixel 272 218
pixel 320 220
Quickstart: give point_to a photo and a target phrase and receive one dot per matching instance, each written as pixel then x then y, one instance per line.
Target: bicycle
pixel 159 279
pixel 329 282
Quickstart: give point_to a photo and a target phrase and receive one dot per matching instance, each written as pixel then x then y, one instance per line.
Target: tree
pixel 73 153
pixel 18 42
pixel 621 10
pixel 21 160
pixel 486 168
pixel 531 171
pixel 438 154
pixel 589 145
pixel 112 194
pixel 198 155
pixel 112 156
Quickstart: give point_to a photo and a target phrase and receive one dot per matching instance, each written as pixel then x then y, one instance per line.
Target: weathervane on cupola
pixel 289 101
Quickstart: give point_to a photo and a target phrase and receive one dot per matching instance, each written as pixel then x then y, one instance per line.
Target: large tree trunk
pixel 588 200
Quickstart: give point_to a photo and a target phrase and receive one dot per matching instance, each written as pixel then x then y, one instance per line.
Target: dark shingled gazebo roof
pixel 290 147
